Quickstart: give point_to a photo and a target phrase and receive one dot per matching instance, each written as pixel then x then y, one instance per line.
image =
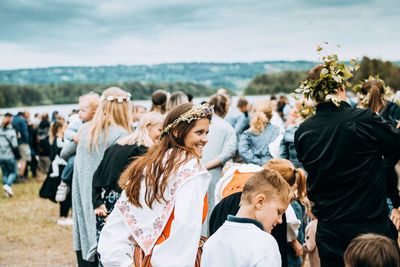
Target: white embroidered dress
pixel 127 223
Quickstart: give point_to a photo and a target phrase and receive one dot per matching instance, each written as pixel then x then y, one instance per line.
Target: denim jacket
pixel 254 148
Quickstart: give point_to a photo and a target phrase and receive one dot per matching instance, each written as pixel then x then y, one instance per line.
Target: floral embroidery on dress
pixel 146 235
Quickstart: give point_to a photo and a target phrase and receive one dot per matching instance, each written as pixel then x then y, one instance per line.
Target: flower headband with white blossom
pixel 119 99
pixel 195 113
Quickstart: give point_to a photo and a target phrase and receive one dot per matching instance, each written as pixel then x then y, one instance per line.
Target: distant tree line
pixel 12 95
pixel 287 81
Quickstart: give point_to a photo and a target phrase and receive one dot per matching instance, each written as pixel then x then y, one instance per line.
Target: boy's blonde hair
pixel 111 112
pixel 141 136
pixel 261 114
pixel 372 250
pixel 269 183
pixel 92 99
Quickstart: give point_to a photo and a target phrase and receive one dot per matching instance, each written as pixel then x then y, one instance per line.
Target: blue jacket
pixel 287 150
pixel 254 148
pixel 21 126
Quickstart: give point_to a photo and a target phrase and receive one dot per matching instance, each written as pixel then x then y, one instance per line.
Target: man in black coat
pixel 341 148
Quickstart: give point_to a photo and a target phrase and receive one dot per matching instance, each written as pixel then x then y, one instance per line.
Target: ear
pixel 259 201
pixel 175 133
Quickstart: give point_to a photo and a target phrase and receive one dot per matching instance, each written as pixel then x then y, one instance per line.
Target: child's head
pixel 296 178
pixel 369 250
pixel 88 105
pixel 266 195
pixel 261 114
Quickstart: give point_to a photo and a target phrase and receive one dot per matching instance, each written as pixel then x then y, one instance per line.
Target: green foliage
pixel 67 93
pixel 282 82
pixel 386 70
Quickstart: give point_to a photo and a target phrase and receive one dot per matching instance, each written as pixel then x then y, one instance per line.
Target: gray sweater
pixel 85 165
pixel 5 149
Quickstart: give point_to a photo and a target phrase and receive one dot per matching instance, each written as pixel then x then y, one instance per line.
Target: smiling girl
pixel 157 221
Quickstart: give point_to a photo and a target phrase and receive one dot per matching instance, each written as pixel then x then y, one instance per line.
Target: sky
pixel 44 33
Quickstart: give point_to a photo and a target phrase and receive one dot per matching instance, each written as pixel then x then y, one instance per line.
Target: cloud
pixel 50 32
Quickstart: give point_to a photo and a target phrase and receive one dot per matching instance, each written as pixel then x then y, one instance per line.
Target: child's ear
pixel 259 201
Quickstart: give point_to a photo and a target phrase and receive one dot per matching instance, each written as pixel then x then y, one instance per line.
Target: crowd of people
pixel 269 183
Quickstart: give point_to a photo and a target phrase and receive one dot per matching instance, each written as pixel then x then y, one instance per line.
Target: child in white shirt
pixel 244 239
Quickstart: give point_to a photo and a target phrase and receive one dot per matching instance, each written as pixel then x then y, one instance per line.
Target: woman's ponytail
pixel 301 186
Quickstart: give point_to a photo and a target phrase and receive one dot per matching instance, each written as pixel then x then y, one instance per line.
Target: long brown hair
pixel 376 92
pixel 220 103
pixel 157 169
pixel 290 173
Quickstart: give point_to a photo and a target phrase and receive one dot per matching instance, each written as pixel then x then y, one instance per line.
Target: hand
pixel 75 138
pixel 396 218
pixel 298 248
pixel 101 211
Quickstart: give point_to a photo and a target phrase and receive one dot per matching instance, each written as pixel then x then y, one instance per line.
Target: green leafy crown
pixel 333 76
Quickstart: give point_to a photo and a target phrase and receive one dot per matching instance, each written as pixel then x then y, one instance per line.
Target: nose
pixel 204 139
pixel 280 219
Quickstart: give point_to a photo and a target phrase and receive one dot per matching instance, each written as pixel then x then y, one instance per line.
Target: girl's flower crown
pixel 364 98
pixel 333 76
pixel 305 109
pixel 195 113
pixel 119 99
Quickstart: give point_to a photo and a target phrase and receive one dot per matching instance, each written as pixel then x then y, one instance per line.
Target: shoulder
pixel 116 130
pixel 193 171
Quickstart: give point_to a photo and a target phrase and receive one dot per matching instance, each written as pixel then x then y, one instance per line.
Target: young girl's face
pixel 269 212
pixel 86 113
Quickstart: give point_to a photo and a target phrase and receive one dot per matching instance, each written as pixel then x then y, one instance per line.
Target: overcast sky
pixel 40 33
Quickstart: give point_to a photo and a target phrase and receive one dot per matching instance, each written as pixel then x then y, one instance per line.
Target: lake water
pixel 65 110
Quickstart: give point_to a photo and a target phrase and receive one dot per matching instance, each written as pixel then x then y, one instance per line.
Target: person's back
pixel 20 125
pixel 343 146
pixel 342 150
pixel 256 247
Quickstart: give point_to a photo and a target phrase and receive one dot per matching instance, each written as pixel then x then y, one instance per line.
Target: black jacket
pixel 341 148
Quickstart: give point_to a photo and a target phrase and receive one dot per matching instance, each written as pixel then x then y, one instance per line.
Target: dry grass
pixel 29 234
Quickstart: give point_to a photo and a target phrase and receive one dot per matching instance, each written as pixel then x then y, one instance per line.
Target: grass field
pixel 29 234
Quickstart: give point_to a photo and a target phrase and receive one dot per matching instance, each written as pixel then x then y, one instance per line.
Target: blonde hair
pixel 176 99
pixel 110 113
pixel 267 182
pixel 92 99
pixel 141 136
pixel 291 176
pixel 261 114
